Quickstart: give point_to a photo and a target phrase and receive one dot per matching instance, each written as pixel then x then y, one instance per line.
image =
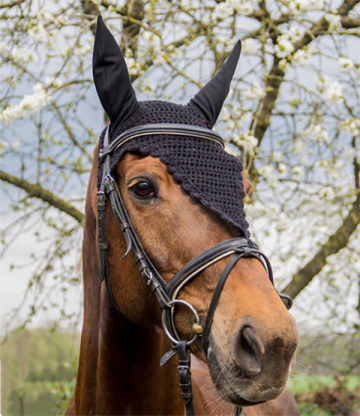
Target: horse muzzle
pixel 252 371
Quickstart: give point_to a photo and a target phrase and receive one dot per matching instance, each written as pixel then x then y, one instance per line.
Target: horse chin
pixel 240 390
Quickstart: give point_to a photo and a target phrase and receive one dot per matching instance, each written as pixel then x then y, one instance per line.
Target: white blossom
pixel 46 15
pixel 357 72
pixel 225 114
pixel 38 100
pixel 173 52
pixel 349 153
pixel 22 55
pixel 315 132
pixel 295 33
pixel 321 83
pixel 232 149
pixel 30 104
pixel 243 7
pixel 11 113
pixel 152 41
pixel 186 4
pixel 133 66
pixel 61 19
pixel 3 47
pixel 283 64
pixel 284 47
pixel 247 141
pixel 302 57
pixel 250 47
pixel 231 93
pixel 15 146
pixel 273 182
pixel 337 169
pixel 351 126
pixel 334 21
pixel 277 156
pixel 53 81
pixel 333 92
pixel 256 92
pixel 266 171
pixel 37 33
pixel 282 222
pixel 298 172
pixel 206 19
pixel 322 164
pixel 345 64
pixel 4 145
pixel 222 11
pixel 301 6
pixel 246 116
pixel 299 149
pixel 282 169
pixel 149 88
pixel 230 124
pixel 327 192
pixel 159 59
pixel 82 50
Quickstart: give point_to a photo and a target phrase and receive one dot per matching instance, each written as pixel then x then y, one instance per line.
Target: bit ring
pixel 164 322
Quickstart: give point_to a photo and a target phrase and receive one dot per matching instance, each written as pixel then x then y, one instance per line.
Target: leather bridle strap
pixel 216 297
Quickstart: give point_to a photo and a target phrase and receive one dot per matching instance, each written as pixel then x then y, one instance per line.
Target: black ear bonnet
pixel 203 169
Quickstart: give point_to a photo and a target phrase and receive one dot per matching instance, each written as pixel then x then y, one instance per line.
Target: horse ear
pixel 111 76
pixel 211 98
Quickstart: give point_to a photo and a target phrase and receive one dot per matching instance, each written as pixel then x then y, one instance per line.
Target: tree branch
pixel 70 133
pixel 348 5
pixel 90 9
pixel 334 244
pixel 10 5
pixel 349 22
pixel 130 30
pixel 36 191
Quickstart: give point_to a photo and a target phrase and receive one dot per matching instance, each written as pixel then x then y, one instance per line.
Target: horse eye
pixel 143 189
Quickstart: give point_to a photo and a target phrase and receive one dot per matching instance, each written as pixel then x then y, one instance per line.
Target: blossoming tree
pixel 291 116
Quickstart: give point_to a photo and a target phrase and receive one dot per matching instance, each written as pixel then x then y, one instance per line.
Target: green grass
pixel 302 383
pixel 311 409
pixel 304 386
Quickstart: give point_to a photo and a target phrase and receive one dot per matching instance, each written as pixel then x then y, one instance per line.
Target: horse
pixel 239 330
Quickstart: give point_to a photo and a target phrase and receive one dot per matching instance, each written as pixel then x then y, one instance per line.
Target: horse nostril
pixel 248 351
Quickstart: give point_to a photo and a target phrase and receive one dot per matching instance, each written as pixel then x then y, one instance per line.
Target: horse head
pixel 168 193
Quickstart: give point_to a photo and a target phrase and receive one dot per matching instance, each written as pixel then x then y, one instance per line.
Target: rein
pixel 167 292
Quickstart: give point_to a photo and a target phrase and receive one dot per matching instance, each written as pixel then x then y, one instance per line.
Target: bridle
pixel 167 292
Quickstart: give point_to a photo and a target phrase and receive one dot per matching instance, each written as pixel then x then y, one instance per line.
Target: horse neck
pixel 119 370
pixel 129 378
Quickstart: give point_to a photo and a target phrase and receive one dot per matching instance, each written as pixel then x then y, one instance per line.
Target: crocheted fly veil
pixel 204 170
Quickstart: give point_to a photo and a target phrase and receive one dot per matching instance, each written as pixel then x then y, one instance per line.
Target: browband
pixel 161 128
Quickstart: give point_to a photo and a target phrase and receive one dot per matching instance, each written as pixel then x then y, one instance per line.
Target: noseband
pixel 167 292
